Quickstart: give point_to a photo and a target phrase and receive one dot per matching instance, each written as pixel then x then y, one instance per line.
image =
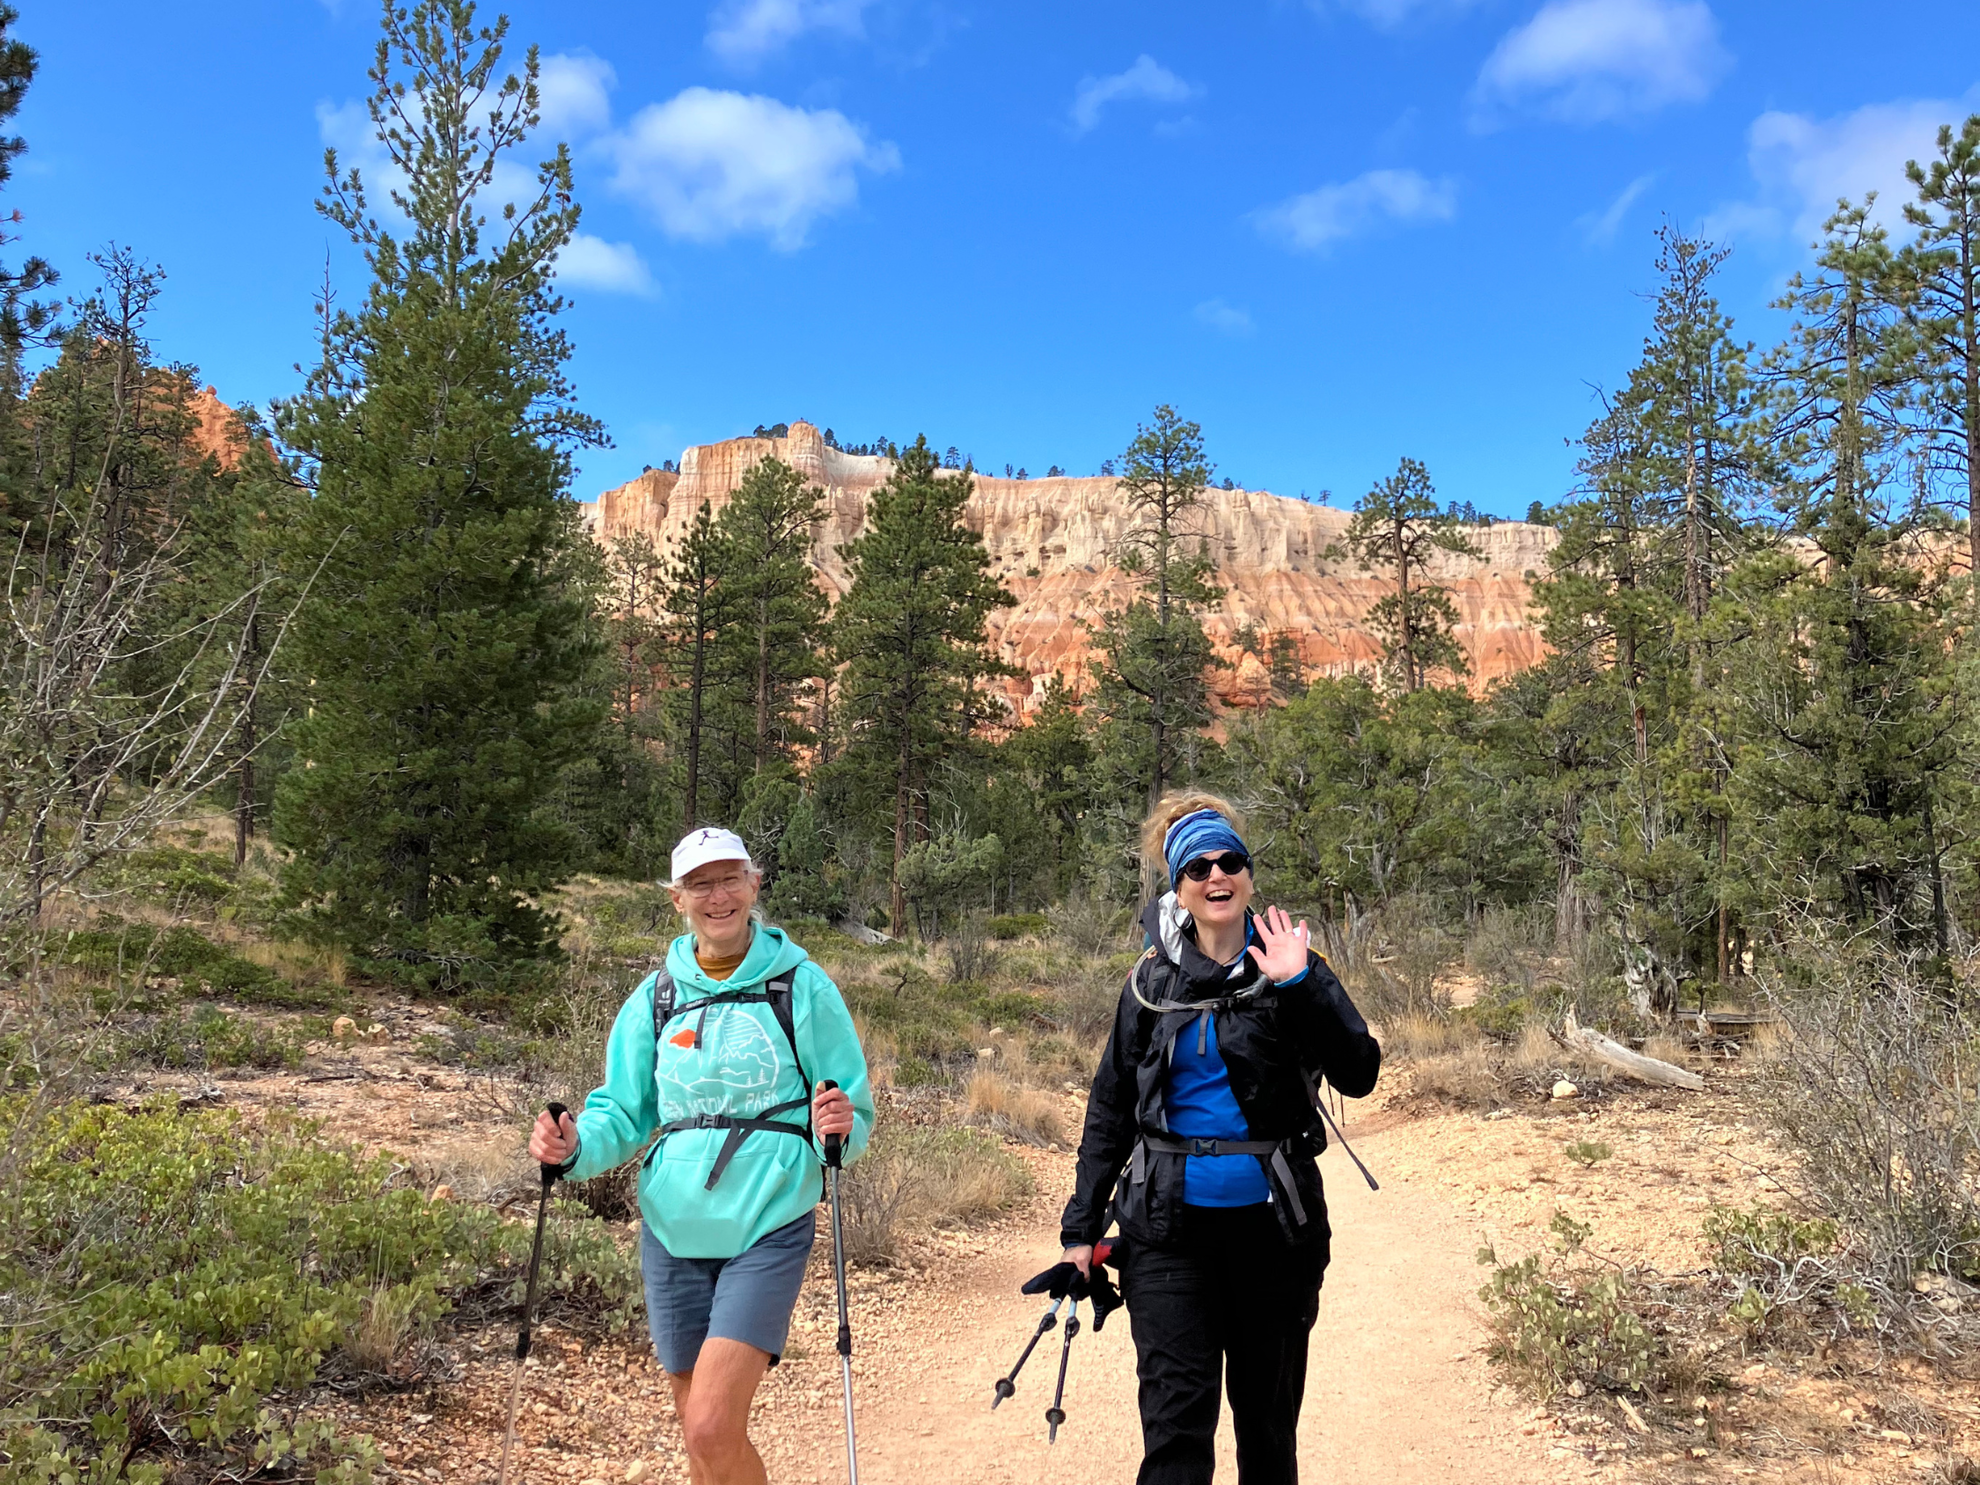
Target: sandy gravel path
pixel 1397 1390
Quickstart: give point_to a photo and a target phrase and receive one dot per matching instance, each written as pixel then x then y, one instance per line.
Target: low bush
pixel 1877 1089
pixel 1089 925
pixel 1017 925
pixel 1503 1012
pixel 171 873
pixel 1778 1261
pixel 934 1024
pixel 134 961
pixel 164 1272
pixel 911 1176
pixel 208 1038
pixel 1588 1152
pixel 1553 1326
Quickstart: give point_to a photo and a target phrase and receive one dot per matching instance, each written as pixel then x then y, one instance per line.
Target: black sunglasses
pixel 1230 863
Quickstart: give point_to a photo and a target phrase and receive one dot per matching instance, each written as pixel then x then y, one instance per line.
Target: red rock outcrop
pixel 1052 541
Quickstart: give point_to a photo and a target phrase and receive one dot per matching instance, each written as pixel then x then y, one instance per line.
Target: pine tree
pixel 443 656
pixel 769 645
pixel 692 605
pixel 1396 527
pixel 1850 662
pixel 1153 653
pixel 24 320
pixel 1944 264
pixel 910 633
pixel 634 574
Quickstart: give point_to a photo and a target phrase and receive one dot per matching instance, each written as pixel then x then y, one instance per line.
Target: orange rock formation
pixel 1052 541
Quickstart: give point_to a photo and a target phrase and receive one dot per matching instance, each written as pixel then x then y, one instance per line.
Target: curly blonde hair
pixel 1170 808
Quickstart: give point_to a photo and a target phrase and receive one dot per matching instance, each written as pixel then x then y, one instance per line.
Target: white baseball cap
pixel 710 843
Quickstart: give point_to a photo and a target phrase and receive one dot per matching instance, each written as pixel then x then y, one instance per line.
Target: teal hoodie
pixel 741 1067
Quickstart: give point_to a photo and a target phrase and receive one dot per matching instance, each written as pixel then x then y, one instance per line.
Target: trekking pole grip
pixel 834 1144
pixel 556 1111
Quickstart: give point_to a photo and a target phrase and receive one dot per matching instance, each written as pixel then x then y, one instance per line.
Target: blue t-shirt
pixel 1202 1106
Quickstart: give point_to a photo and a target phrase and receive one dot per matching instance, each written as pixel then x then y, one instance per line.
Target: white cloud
pixel 712 164
pixel 1147 79
pixel 1225 319
pixel 1584 61
pixel 573 94
pixel 1600 227
pixel 1318 219
pixel 1803 165
pixel 613 267
pixel 744 32
pixel 572 102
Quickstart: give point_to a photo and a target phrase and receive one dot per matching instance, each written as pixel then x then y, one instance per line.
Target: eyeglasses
pixel 734 882
pixel 1230 863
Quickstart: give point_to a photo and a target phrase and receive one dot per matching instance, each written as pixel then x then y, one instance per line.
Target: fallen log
pixel 1616 1055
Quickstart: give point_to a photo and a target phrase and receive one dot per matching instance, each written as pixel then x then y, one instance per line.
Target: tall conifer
pixel 910 634
pixel 441 651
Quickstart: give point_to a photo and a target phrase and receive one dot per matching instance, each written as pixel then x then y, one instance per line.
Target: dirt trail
pixel 1396 1391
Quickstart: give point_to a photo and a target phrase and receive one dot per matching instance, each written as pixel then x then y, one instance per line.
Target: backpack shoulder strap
pixel 781 993
pixel 663 1003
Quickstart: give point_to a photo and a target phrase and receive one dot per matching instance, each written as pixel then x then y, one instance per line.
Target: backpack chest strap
pixel 740 1130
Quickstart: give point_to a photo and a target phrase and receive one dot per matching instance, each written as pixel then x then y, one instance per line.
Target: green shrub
pixel 1502 1012
pixel 1779 1261
pixel 1588 1152
pixel 1018 925
pixel 172 873
pixel 1762 1240
pixel 206 1038
pixel 130 960
pixel 1553 1328
pixel 165 1272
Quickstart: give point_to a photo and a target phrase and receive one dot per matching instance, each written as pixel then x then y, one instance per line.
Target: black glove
pixel 1106 1298
pixel 1058 1281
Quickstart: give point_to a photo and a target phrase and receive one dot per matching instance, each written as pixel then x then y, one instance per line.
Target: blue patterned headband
pixel 1199 834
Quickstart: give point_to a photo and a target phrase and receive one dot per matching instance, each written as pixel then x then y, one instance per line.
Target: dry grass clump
pixel 309 964
pixel 1010 1107
pixel 478 1169
pixel 1418 1035
pixel 377 1342
pixel 1469 1078
pixel 917 1177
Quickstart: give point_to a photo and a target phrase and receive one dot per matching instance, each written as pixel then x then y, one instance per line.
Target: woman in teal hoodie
pixel 723 1053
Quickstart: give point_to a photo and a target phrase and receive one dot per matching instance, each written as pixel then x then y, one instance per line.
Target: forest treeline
pixel 376 629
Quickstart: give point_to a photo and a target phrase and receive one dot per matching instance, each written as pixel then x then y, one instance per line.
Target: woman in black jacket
pixel 1201 1132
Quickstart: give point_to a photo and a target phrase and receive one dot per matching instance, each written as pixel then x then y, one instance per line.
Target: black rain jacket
pixel 1275 1040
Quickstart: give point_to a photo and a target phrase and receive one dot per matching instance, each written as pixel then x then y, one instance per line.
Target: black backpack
pixel 777 994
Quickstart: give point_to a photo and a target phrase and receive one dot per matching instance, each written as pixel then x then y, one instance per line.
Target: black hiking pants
pixel 1228 1308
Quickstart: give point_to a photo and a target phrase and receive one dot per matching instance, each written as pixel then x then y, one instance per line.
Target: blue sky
pixel 1333 231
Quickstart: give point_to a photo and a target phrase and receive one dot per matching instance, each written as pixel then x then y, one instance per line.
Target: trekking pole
pixel 1007 1384
pixel 556 1112
pixel 834 1145
pixel 1055 1415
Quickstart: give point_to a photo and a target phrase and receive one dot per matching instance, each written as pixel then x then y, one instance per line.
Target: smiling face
pixel 715 899
pixel 1218 901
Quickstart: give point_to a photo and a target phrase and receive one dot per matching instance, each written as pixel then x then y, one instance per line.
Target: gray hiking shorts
pixel 748 1298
